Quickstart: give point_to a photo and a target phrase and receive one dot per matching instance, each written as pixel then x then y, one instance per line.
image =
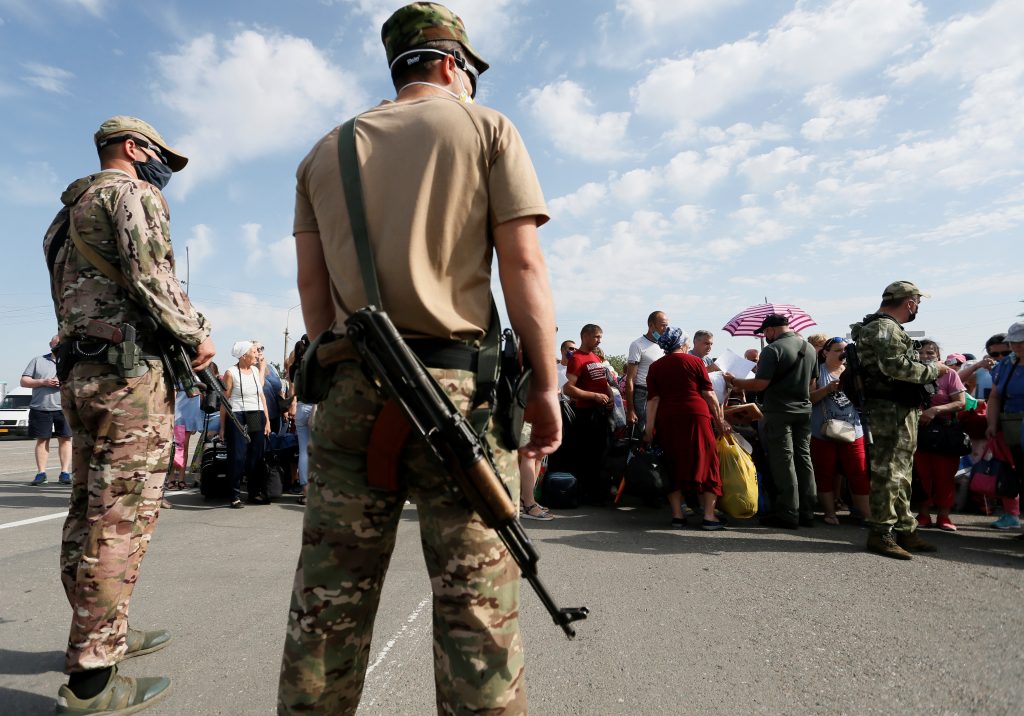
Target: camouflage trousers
pixel 348 535
pixel 121 447
pixel 894 431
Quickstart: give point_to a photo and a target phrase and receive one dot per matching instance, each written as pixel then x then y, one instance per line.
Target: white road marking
pixel 33 520
pixel 408 630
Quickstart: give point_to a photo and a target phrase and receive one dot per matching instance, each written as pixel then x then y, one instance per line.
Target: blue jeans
pixel 303 412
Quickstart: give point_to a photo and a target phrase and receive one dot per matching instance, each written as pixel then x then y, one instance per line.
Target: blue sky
pixel 697 156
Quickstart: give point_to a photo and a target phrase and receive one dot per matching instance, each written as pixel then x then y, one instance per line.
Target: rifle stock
pixel 392 365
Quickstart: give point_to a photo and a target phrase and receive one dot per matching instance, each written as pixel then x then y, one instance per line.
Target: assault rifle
pixel 853 386
pixel 395 369
pixel 177 360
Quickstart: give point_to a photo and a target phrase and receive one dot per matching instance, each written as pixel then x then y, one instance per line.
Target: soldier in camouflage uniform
pixel 892 376
pixel 111 261
pixel 444 222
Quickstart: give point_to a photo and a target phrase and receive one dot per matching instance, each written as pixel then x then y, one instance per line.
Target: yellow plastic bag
pixel 739 479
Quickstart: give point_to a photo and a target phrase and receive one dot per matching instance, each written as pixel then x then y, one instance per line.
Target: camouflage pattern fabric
pixel 121 442
pixel 126 222
pixel 884 347
pixel 347 539
pixel 894 430
pixel 420 22
pixel 121 427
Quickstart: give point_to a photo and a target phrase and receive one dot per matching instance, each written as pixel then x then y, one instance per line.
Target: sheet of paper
pixel 719 386
pixel 740 367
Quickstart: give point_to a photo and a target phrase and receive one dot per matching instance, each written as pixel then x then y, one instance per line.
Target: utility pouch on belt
pixel 314 377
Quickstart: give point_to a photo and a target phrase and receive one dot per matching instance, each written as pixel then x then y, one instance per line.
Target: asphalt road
pixel 748 621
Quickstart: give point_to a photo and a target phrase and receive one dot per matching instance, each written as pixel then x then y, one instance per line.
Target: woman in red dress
pixel 681 410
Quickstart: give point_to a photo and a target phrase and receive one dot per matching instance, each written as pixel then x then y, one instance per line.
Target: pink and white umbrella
pixel 747 321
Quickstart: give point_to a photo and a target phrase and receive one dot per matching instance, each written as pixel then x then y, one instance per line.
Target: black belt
pixel 93 350
pixel 444 354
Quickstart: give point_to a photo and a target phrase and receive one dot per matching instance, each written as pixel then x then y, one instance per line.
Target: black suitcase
pixel 214 481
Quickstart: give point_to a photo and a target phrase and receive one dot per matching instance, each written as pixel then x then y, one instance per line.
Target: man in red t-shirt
pixel 591 394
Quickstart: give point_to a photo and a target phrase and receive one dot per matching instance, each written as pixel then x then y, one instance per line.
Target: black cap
pixel 773 320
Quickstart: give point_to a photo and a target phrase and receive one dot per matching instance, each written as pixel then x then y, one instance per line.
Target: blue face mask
pixel 569 355
pixel 153 171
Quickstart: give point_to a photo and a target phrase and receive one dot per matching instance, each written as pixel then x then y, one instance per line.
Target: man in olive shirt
pixel 784 371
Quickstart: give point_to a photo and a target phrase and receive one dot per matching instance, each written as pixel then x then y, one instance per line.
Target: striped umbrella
pixel 747 321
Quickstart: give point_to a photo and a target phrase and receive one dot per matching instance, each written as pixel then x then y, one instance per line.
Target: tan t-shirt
pixel 437 177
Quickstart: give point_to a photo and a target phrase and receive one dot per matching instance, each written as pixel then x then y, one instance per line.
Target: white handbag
pixel 839 430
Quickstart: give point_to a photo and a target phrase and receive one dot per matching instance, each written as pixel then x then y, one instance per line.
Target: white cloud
pixel 975 225
pixel 564 112
pixel 34 184
pixel 806 48
pixel 200 248
pixel 254 249
pixel 969 45
pixel 251 95
pixel 281 254
pixel 775 167
pixel 47 77
pixel 837 117
pixel 580 202
pixel 986 143
pixel 657 15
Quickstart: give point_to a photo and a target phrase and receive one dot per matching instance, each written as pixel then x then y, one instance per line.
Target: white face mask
pixel 462 96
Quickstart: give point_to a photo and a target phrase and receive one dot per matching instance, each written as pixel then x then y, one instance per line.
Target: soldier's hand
pixel 545 416
pixel 204 354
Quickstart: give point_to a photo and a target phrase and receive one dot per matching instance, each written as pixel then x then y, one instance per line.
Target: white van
pixel 14 413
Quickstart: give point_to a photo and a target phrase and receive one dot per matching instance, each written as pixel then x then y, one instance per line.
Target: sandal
pixel 536 512
pixel 830 520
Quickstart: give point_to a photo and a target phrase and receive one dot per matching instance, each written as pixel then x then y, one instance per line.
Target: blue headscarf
pixel 672 338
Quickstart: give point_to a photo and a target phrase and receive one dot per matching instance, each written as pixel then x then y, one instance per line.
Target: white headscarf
pixel 241 348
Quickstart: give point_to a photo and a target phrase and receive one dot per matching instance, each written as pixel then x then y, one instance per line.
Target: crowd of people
pixel 270 417
pixel 448 185
pixel 809 441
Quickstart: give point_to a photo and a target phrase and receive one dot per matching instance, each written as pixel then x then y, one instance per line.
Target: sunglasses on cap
pixel 145 144
pixel 832 341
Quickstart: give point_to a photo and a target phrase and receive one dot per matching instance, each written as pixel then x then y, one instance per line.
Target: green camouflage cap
pixel 902 289
pixel 420 22
pixel 122 124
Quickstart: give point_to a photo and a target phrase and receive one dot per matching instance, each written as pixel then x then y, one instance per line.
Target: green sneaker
pixel 122 695
pixel 146 642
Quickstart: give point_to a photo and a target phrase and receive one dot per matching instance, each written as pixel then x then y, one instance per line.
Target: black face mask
pixel 153 171
pixel 912 316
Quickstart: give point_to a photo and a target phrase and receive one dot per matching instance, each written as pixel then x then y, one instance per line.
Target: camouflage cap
pixel 420 22
pixel 902 289
pixel 121 124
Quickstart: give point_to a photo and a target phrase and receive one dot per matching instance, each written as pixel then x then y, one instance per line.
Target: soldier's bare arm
pixel 524 282
pixel 314 283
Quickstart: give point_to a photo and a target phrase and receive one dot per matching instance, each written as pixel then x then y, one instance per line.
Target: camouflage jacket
pixel 127 223
pixel 885 349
